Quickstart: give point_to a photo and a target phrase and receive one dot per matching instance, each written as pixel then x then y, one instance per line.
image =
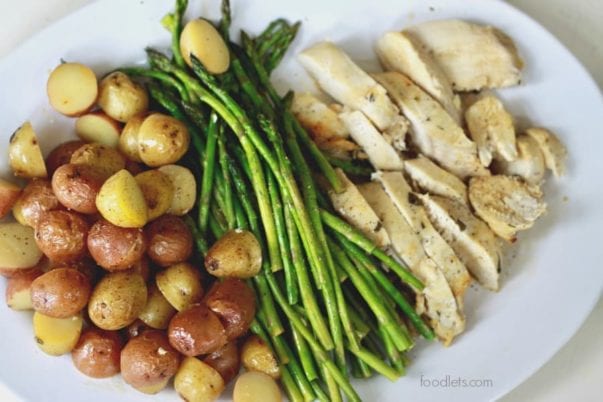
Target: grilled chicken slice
pixel 435 180
pixel 472 56
pixel 445 316
pixel 470 238
pixel 553 150
pixel 357 212
pixel 399 51
pixel 434 245
pixel 492 129
pixel 507 204
pixel 381 154
pixel 323 124
pixel 529 164
pixel 347 83
pixel 433 131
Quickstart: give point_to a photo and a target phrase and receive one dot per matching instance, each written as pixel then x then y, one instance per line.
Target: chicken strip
pixel 529 164
pixel 435 180
pixel 553 150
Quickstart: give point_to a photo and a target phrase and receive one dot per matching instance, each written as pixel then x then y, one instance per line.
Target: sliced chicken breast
pixel 529 164
pixel 492 129
pixel 400 51
pixel 553 150
pixel 433 131
pixel 470 238
pixel 434 245
pixel 507 204
pixel 435 180
pixel 352 206
pixel 472 56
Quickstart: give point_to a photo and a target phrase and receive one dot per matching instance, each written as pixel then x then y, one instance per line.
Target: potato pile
pixel 100 250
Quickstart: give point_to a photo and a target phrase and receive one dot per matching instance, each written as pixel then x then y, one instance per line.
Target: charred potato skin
pixel 76 187
pixel 61 155
pixel 196 330
pixel 97 353
pixel 170 241
pixel 61 235
pixel 234 302
pixel 226 361
pixel 61 292
pixel 115 248
pixel 37 197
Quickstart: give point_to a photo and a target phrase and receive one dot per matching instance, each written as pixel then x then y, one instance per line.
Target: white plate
pixel 551 281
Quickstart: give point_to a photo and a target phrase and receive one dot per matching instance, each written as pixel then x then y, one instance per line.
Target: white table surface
pixel 576 371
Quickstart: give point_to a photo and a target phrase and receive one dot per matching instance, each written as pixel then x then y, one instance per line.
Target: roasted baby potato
pixel 225 361
pixel 115 248
pixel 24 154
pixel 170 240
pixel 158 192
pixel 18 290
pixel 135 329
pixel 128 140
pixel 37 197
pixel 142 267
pixel 185 189
pixel 201 39
pixel 148 361
pixel 196 331
pixel 76 187
pixel 9 194
pixel 121 202
pixel 72 89
pixel 237 254
pixel 117 300
pixel 253 383
pixel 97 353
pixel 57 336
pixel 180 284
pixel 18 249
pixel 61 155
pixel 256 355
pixel 196 381
pixel 99 128
pixel 61 235
pixel 105 158
pixel 60 292
pixel 234 302
pixel 162 140
pixel 158 312
pixel 121 98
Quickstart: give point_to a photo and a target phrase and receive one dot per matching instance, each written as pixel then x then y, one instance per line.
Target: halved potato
pixel 57 336
pixel 103 157
pixel 180 284
pixel 158 311
pixel 200 38
pixel 9 194
pixel 256 355
pixel 185 189
pixel 98 127
pixel 18 290
pixel 24 154
pixel 196 381
pixel 158 191
pixel 121 98
pixel 18 248
pixel 128 140
pixel 253 383
pixel 72 89
pixel 121 201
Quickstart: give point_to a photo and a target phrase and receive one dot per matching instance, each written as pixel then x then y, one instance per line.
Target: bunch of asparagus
pixel 330 302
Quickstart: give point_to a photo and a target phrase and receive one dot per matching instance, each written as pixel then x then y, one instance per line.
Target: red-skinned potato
pixel 61 292
pixel 18 290
pixel 9 194
pixel 196 331
pixel 234 302
pixel 61 235
pixel 86 266
pixel 148 361
pixel 61 155
pixel 37 197
pixel 170 240
pixel 41 266
pixel 225 361
pixel 97 353
pixel 76 186
pixel 142 267
pixel 115 248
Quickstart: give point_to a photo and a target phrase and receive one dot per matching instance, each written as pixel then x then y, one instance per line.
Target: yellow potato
pixel 180 284
pixel 121 201
pixel 200 38
pixel 121 98
pixel 158 192
pixel 18 290
pixel 117 300
pixel 158 311
pixel 24 154
pixel 108 160
pixel 251 385
pixel 9 194
pixel 98 127
pixel 128 140
pixel 185 189
pixel 256 355
pixel 237 254
pixel 196 381
pixel 72 89
pixel 162 140
pixel 57 336
pixel 18 248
